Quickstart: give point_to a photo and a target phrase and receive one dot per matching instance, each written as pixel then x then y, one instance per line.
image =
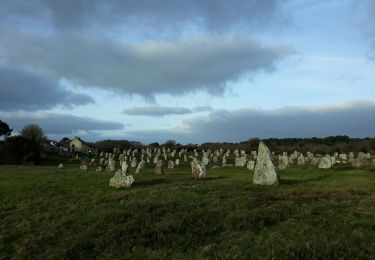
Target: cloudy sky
pixel 192 71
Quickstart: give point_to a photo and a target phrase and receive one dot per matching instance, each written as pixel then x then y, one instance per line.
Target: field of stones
pixel 164 203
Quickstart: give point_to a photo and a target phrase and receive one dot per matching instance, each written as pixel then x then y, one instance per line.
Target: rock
pixel 265 172
pixel 61 166
pixel 121 181
pixel 111 165
pixel 124 167
pixel 356 163
pixel 99 169
pixel 239 162
pixel 301 160
pixel 134 163
pixel 83 167
pixel 141 167
pixel 315 161
pixel 283 162
pixel 325 163
pixel 159 168
pixel 250 165
pixel 170 164
pixel 198 169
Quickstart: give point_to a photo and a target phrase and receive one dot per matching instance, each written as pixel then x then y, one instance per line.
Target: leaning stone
pixel 265 172
pixel 141 167
pixel 198 169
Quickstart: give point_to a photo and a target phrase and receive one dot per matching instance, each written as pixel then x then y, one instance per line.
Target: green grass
pixel 50 213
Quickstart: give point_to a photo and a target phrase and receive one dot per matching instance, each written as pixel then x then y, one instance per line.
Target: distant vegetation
pixel 32 145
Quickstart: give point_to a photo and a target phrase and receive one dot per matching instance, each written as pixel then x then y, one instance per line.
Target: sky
pixel 192 71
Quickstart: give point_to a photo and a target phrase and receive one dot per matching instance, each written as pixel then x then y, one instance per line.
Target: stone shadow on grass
pixel 302 181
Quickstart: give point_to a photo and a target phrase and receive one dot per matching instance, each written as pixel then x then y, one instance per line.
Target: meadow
pixel 47 213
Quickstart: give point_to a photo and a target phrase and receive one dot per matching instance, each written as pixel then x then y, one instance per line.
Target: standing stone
pixel 61 166
pixel 325 163
pixel 177 162
pixel 133 163
pixel 159 168
pixel 265 172
pixel 170 164
pixel 83 167
pixel 124 167
pixel 198 169
pixel 141 167
pixel 120 180
pixel 111 165
pixel 250 165
pixel 283 162
pixel 301 160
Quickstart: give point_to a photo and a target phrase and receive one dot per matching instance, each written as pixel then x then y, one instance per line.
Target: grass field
pixel 50 213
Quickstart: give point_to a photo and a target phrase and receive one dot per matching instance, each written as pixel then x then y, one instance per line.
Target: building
pixel 77 145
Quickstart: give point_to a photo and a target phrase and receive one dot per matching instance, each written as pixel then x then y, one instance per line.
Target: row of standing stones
pixel 262 162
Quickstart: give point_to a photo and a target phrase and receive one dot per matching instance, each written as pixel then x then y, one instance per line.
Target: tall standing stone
pixel 198 169
pixel 159 168
pixel 265 172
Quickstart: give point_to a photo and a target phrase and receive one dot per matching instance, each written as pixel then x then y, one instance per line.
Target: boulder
pixel 198 169
pixel 265 172
pixel 325 163
pixel 120 180
pixel 61 166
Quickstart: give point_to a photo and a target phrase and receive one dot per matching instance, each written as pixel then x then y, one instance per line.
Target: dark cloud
pixel 146 68
pixel 354 119
pixel 26 90
pixel 214 15
pixel 156 111
pixel 58 124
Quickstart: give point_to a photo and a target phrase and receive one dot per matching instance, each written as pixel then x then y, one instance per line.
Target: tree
pixel 4 129
pixel 36 138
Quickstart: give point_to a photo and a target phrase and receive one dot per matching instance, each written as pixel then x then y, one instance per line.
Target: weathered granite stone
pixel 141 167
pixel 170 164
pixel 120 180
pixel 265 172
pixel 301 160
pixel 198 169
pixel 159 168
pixel 83 167
pixel 283 162
pixel 111 165
pixel 325 163
pixel 250 165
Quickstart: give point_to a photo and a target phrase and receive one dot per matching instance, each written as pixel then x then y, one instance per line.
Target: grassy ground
pixel 50 213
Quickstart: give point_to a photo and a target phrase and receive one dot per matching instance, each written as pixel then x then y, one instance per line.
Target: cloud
pixel 213 15
pixel 25 90
pixel 202 109
pixel 58 124
pixel 146 68
pixel 352 118
pixel 156 111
